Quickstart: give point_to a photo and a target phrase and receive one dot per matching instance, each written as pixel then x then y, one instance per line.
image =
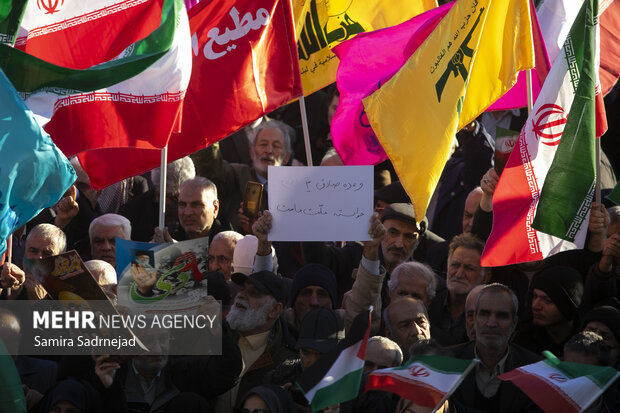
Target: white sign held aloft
pixel 322 203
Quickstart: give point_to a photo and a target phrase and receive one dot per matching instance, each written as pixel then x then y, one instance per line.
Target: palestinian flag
pixel 562 387
pixel 104 73
pixel 336 377
pixel 541 205
pixel 425 380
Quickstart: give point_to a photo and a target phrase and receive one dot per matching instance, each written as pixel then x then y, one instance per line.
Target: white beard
pixel 248 319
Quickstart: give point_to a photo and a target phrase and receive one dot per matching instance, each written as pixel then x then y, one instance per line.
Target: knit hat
pixel 314 274
pixel 321 330
pixel 564 286
pixel 606 315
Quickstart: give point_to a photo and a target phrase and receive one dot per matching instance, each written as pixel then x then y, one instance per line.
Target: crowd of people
pixel 286 304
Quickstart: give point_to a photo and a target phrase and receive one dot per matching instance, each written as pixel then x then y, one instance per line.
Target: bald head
pixel 471 204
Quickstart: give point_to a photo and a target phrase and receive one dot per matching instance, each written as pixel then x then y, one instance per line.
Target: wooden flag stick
pixel 304 126
pixel 162 187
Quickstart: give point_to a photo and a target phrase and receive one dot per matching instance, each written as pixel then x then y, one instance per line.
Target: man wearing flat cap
pixel 262 336
pixel 556 296
pixel 401 239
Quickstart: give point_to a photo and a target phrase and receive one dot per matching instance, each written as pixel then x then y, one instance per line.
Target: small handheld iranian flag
pixel 337 376
pixel 562 387
pixel 541 204
pixel 425 380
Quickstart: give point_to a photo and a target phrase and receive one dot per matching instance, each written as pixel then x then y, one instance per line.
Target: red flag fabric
pixel 245 65
pixel 610 45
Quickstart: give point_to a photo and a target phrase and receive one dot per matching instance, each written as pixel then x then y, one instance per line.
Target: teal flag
pixel 34 173
pixel 12 397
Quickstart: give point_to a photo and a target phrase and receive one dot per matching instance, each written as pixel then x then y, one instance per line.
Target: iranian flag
pixel 542 201
pixel 336 377
pixel 100 73
pixel 562 387
pixel 425 380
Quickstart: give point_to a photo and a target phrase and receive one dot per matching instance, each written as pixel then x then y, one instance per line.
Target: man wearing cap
pixel 262 336
pixel 320 331
pixel 556 295
pixel 605 321
pixel 402 235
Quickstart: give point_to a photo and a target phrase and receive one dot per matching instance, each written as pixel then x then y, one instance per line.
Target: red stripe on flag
pixel 420 393
pixel 110 124
pixel 361 354
pixel 547 396
pixel 102 34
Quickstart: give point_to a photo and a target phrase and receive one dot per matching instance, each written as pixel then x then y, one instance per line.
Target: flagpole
pixel 9 258
pixel 597 187
pixel 473 364
pixel 304 126
pixel 530 97
pixel 162 187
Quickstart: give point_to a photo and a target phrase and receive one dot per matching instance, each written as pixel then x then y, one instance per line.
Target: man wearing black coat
pixel 482 390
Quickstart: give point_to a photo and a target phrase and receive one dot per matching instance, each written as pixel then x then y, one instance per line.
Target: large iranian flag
pixel 562 387
pixel 105 73
pixel 542 201
pixel 425 380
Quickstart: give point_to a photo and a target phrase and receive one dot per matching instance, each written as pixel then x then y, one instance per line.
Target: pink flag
pixel 366 62
pixel 371 59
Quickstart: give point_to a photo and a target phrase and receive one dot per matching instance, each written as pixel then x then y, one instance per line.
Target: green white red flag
pixel 105 73
pixel 562 387
pixel 542 201
pixel 336 377
pixel 425 380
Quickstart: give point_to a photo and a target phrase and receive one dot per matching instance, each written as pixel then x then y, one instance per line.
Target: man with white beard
pixel 263 338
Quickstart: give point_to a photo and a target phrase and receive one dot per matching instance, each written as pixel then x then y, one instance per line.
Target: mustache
pixel 242 303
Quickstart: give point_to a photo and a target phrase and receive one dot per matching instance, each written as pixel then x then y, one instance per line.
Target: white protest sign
pixel 320 203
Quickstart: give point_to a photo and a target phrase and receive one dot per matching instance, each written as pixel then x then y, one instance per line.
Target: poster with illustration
pixel 65 277
pixel 162 277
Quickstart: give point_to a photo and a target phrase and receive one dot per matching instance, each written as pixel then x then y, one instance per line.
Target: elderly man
pixel 44 240
pixel 382 353
pixel 103 232
pixel 447 310
pixel 271 146
pixel 197 208
pixel 556 295
pixel 262 335
pixel 495 321
pixel 401 239
pixel 143 210
pixel 105 275
pixel 221 252
pixel 470 311
pixel 406 323
pixel 413 279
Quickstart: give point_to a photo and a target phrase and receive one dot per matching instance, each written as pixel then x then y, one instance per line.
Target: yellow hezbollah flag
pixel 470 60
pixel 327 23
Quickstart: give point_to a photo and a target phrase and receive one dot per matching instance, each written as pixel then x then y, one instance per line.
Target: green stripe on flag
pixel 11 14
pixel 567 193
pixel 347 388
pixel 440 364
pixel 599 375
pixel 29 74
pixel 615 195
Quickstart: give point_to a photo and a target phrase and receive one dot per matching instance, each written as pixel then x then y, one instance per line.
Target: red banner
pixel 245 65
